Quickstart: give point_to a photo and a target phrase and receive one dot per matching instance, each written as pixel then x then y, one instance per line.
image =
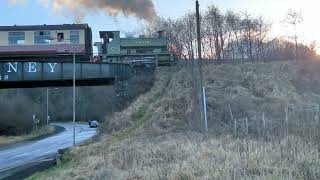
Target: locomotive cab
pixel 111 42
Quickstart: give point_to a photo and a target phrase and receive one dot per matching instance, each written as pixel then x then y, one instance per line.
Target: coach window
pixel 75 37
pixel 16 38
pixel 60 37
pixel 42 37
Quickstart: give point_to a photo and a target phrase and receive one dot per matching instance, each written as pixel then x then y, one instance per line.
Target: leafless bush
pixel 16 114
pixel 228 35
pixel 141 81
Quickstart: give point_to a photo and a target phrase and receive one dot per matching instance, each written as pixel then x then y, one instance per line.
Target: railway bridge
pixel 54 74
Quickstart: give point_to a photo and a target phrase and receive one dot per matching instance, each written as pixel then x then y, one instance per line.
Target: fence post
pixel 287 119
pixel 315 122
pixel 235 127
pixel 247 127
pixel 230 112
pixel 232 120
pixel 317 113
pixel 264 124
pixel 205 108
pixel 34 122
pixel 318 131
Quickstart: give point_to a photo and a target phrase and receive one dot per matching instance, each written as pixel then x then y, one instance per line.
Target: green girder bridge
pixel 55 74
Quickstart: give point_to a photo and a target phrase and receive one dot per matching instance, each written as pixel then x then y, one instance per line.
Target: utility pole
pixel 202 101
pixel 73 91
pixel 74 98
pixel 47 106
pixel 198 30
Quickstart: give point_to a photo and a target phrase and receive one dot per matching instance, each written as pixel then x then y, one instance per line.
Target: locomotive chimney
pixel 161 34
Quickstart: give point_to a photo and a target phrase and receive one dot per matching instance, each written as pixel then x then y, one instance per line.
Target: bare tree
pixel 263 30
pixel 294 18
pixel 313 48
pixel 234 28
pixel 250 28
pixel 230 35
pixel 190 33
pixel 214 22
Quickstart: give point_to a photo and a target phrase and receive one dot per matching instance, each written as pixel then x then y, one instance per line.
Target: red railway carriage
pixel 45 41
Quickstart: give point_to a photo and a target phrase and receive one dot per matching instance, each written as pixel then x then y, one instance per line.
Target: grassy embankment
pixel 154 138
pixel 6 140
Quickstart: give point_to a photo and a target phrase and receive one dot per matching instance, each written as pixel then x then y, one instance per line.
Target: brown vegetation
pixel 42 131
pixel 275 135
pixel 230 35
pixel 16 113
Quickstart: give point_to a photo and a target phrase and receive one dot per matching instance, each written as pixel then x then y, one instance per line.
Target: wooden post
pixel 235 127
pixel 287 119
pixel 247 127
pixel 264 125
pixel 199 59
pixel 318 131
pixel 230 112
pixel 198 30
pixel 317 113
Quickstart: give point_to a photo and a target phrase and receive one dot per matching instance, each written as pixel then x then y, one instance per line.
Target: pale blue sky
pixel 33 12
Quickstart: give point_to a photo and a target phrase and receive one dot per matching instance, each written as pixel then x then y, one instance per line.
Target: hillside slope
pixel 257 129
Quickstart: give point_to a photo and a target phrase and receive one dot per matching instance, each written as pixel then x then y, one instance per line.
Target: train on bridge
pixel 58 43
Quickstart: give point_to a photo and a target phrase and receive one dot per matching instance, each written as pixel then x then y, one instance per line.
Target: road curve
pixel 36 150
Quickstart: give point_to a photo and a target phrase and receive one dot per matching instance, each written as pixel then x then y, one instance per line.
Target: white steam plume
pixel 17 1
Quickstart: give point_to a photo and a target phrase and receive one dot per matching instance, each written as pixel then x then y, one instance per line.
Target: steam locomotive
pixel 136 51
pixel 60 42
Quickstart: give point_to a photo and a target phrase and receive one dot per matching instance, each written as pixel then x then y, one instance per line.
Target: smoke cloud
pixel 142 9
pixel 17 1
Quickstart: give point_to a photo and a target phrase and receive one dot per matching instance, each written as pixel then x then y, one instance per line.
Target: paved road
pixel 39 149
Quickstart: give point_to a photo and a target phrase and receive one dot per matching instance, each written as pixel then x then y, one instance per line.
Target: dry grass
pixel 152 138
pixel 193 156
pixel 5 140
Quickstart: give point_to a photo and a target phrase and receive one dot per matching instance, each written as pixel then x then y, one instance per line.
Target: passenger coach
pixel 45 42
